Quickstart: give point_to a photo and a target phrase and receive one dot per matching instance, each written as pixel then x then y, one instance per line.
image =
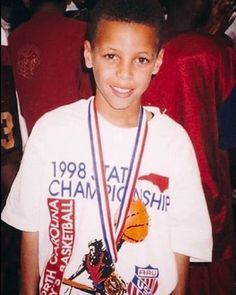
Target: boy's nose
pixel 124 71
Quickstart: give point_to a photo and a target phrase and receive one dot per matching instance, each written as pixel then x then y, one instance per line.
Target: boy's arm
pixel 29 264
pixel 182 263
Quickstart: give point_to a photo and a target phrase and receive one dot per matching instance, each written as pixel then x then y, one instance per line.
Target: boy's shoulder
pixel 64 115
pixel 162 119
pixel 166 127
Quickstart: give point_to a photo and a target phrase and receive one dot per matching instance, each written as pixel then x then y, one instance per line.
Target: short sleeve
pixel 191 233
pixel 22 208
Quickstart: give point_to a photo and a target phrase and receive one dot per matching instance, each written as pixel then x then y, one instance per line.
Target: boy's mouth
pixel 122 92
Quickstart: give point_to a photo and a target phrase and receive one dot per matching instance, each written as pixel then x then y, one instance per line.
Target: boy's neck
pixel 126 118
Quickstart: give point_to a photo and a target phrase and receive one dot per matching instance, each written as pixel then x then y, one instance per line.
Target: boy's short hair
pixel 147 12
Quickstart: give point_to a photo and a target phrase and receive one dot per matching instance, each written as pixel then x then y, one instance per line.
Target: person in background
pixel 11 153
pixel 196 14
pixel 222 18
pixel 80 9
pixel 197 76
pixel 11 143
pixel 20 13
pixel 11 18
pixel 45 53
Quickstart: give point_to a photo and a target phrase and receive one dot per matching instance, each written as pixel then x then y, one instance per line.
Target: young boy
pixel 108 195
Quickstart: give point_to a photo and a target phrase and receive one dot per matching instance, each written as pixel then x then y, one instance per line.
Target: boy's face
pixel 123 58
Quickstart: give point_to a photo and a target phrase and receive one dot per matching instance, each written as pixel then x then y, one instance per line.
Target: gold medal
pixel 114 285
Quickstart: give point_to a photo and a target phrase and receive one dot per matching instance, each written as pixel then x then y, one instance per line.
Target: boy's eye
pixel 110 56
pixel 143 60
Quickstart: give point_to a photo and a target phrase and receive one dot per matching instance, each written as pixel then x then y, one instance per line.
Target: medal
pixel 114 285
pixel 112 233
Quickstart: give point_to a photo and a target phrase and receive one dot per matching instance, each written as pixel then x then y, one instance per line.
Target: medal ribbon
pixel 112 233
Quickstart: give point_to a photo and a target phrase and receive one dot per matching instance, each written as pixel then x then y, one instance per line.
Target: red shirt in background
pixel 196 77
pixel 46 55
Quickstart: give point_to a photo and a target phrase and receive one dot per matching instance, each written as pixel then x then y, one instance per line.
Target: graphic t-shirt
pixel 55 194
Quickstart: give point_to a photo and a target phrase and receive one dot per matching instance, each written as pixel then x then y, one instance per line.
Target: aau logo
pixel 145 281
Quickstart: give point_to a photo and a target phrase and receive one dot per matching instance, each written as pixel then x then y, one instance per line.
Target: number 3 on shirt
pixel 7 140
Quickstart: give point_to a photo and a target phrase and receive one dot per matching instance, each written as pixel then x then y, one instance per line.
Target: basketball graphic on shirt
pixel 136 224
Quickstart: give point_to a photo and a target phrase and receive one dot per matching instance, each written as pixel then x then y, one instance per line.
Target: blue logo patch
pixel 145 281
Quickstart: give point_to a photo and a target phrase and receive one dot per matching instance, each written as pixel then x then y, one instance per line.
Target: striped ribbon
pixel 113 233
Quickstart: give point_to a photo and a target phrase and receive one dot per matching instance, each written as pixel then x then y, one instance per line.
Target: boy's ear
pixel 88 54
pixel 158 62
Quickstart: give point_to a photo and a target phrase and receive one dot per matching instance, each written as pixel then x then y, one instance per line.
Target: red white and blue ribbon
pixel 112 233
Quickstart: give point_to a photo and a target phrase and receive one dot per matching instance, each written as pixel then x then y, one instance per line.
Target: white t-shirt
pixel 54 193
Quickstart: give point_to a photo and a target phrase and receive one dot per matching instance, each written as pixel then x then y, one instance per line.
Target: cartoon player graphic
pixel 101 270
pixel 98 262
